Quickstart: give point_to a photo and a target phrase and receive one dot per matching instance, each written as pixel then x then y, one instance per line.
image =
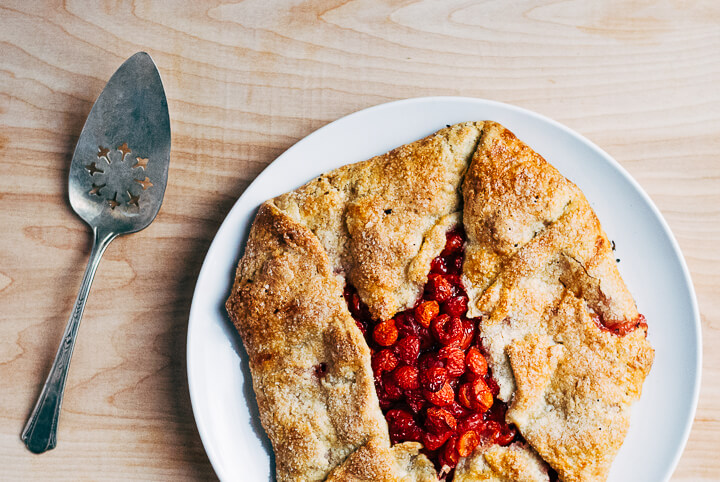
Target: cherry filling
pixel 431 375
pixel 621 328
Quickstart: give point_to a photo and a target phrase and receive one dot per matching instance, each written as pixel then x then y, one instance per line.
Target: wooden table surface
pixel 244 82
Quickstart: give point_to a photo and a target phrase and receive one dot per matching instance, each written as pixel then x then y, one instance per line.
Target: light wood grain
pixel 245 81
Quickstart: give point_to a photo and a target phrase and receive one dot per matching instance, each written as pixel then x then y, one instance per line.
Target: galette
pixel 449 310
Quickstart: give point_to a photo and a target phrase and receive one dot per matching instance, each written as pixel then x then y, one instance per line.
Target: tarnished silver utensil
pixel 117 181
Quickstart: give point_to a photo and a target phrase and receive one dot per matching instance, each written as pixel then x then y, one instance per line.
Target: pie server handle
pixel 40 433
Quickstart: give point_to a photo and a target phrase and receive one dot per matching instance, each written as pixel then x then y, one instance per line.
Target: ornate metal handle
pixel 40 433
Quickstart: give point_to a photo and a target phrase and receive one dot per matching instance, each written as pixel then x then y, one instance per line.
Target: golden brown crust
pixel 577 414
pixel 514 463
pixel 310 364
pixel 542 270
pixel 510 195
pixel 378 462
pixel 375 219
pixel 538 269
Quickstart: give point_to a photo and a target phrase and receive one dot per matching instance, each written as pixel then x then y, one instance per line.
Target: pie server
pixel 117 180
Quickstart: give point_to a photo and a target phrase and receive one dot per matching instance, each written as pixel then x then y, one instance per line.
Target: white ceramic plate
pixel 651 265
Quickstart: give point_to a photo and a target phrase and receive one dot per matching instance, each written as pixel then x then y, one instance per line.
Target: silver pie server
pixel 117 182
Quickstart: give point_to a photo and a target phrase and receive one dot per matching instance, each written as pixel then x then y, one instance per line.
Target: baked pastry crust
pixel 494 463
pixel 543 274
pixel 538 269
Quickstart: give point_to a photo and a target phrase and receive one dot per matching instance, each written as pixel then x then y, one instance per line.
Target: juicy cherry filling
pixel 621 328
pixel 431 375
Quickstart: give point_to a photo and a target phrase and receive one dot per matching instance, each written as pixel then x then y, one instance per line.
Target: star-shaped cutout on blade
pixel 145 184
pixel 141 162
pixel 134 200
pixel 124 149
pixel 113 202
pixel 96 189
pixel 92 168
pixel 111 180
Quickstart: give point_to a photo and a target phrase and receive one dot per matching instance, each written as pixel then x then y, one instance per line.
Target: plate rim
pixel 687 279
